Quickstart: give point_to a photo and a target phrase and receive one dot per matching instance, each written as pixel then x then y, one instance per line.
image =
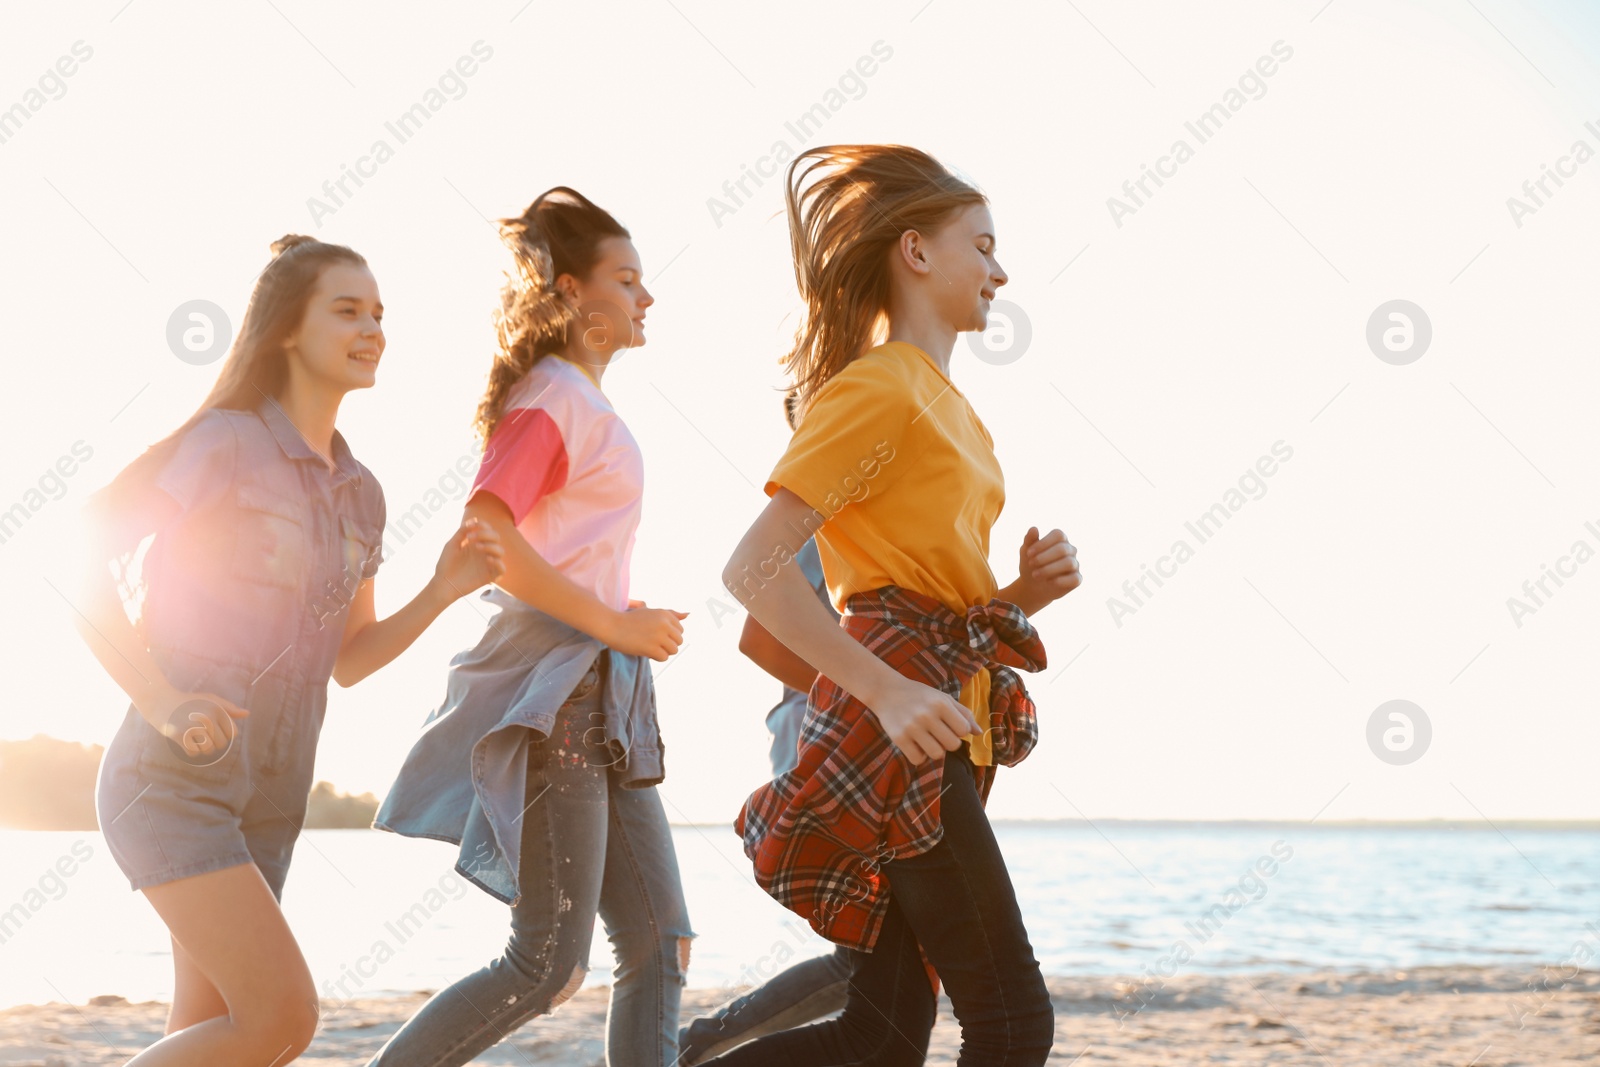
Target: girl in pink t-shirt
pixel 585 834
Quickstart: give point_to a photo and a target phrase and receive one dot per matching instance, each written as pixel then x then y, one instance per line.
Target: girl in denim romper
pixel 256 588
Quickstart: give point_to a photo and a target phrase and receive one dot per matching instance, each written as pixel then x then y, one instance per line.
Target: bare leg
pixel 232 930
pixel 194 998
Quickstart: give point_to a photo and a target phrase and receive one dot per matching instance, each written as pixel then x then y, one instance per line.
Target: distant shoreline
pixel 48 784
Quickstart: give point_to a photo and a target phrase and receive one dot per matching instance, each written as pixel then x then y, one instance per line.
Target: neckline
pixel 580 368
pixel 295 444
pixel 930 360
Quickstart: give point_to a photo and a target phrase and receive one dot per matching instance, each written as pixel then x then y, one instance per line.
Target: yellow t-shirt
pixel 893 456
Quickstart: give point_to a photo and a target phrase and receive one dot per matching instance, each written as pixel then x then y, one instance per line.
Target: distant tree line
pixel 48 784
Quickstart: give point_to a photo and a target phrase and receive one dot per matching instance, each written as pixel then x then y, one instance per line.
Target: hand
pixel 642 631
pixel 474 557
pixel 1048 566
pixel 921 720
pixel 202 723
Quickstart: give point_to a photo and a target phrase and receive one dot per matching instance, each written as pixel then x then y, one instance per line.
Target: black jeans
pixel 956 901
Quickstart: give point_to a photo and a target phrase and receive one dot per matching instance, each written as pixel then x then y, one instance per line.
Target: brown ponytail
pixel 559 233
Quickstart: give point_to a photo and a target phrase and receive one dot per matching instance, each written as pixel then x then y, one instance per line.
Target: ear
pixel 567 286
pixel 910 248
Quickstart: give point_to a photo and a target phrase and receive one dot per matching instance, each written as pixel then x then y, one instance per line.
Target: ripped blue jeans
pixel 589 847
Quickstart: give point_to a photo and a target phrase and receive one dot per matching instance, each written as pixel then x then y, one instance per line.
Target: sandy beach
pixel 1484 1017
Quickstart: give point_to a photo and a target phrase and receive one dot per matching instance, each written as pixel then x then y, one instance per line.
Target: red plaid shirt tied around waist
pixel 820 835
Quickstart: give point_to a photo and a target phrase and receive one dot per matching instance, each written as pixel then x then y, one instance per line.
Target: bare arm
pixel 774 657
pixel 919 719
pixel 653 632
pixel 1018 593
pixel 473 557
pixel 100 620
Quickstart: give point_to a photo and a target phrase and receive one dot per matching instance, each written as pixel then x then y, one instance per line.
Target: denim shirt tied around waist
pixel 465 778
pixel 248 588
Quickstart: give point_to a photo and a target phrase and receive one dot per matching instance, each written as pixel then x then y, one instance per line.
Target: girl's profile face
pixel 967 273
pixel 611 302
pixel 340 338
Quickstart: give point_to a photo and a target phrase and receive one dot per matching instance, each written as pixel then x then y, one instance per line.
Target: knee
pixel 565 993
pixel 548 977
pixel 1029 1036
pixel 283 1027
pixel 682 945
pixel 1036 1032
pixel 1023 1034
pixel 655 952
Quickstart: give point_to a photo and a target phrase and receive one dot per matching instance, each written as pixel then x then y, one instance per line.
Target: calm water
pixel 1345 898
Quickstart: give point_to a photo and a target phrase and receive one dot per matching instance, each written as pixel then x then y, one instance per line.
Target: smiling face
pixel 611 301
pixel 340 337
pixel 965 273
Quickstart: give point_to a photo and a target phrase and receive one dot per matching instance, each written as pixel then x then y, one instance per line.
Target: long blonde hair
pixel 842 226
pixel 559 233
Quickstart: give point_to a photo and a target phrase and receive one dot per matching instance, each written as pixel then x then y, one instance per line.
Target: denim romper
pixel 245 597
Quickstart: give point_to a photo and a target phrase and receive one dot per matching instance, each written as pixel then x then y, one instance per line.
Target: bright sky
pixel 1172 347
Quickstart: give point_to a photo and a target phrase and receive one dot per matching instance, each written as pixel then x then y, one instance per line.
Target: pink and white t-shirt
pixel 572 475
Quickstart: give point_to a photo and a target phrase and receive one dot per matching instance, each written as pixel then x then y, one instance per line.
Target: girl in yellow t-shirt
pixel 879 838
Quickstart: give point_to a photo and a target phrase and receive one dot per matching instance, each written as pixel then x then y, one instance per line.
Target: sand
pixel 1461 1016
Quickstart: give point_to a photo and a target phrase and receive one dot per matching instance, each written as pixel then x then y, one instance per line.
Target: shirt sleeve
pixel 200 469
pixel 858 438
pixel 524 462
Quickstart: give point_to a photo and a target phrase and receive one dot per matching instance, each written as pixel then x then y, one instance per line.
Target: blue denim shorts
pixel 166 816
